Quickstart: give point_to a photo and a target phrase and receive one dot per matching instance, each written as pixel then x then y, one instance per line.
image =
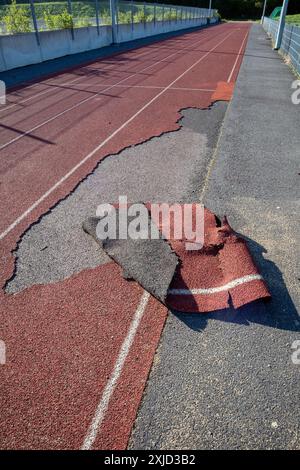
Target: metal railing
pixel 290 45
pixel 41 15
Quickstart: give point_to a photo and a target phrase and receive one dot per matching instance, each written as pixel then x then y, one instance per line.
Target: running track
pixel 79 351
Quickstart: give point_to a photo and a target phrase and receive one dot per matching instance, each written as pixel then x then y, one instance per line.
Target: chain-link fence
pixel 290 45
pixel 22 16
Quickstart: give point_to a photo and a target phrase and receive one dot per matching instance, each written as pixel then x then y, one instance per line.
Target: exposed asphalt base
pixel 150 262
pixel 170 168
pixel 16 77
pixel 226 380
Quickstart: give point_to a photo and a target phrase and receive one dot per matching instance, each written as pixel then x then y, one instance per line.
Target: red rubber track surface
pixel 62 339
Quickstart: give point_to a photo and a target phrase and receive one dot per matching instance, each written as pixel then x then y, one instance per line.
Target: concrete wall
pixel 19 50
pixel 142 30
pixel 22 49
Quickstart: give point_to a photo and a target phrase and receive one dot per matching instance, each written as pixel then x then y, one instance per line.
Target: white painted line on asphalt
pixel 71 108
pixel 215 290
pixel 116 373
pixel 104 142
pixel 237 58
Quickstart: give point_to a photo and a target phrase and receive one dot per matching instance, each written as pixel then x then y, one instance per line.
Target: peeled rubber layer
pixel 199 281
pixel 223 271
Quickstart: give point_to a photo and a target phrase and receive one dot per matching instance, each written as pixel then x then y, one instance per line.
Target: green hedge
pixel 79 9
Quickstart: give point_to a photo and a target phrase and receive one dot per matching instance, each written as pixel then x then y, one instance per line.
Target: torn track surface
pixel 223 271
pixel 200 280
pixel 151 263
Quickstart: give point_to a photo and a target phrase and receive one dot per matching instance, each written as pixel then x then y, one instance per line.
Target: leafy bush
pixel 61 21
pixel 140 17
pixel 124 17
pixel 82 22
pixel 17 19
pixel 105 17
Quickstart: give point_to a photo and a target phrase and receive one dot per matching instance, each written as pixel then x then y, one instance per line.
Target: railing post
pixel 144 10
pixel 154 19
pixel 70 12
pixel 113 15
pixel 281 25
pixel 263 12
pixel 97 16
pixel 132 18
pixel 163 13
pixel 36 30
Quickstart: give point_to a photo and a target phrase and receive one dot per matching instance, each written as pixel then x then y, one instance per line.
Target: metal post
pixel 70 12
pixel 113 21
pixel 154 19
pixel 209 13
pixel 281 25
pixel 97 16
pixel 132 17
pixel 144 15
pixel 263 13
pixel 181 16
pixel 163 14
pixel 170 15
pixel 36 30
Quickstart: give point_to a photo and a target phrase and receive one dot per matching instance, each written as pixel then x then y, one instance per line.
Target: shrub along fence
pixel 35 31
pixel 290 45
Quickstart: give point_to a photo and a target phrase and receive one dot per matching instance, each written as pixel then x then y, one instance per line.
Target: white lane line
pixel 39 94
pixel 144 86
pixel 117 370
pixel 104 142
pixel 29 131
pixel 237 58
pixel 215 290
pixel 63 84
pixel 58 85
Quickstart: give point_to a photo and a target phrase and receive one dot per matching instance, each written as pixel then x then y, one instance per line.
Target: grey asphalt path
pixel 226 380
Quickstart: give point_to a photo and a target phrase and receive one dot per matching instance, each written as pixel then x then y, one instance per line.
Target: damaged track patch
pixel 160 169
pixel 202 280
pixel 152 263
